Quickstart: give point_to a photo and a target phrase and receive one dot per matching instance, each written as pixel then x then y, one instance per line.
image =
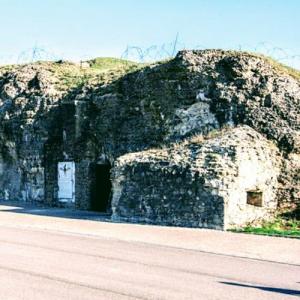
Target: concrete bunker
pixel 227 181
pixel 172 133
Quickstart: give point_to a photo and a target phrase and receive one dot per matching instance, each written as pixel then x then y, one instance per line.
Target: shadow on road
pixel 265 288
pixel 27 208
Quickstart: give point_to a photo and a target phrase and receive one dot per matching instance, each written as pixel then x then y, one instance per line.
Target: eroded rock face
pixel 26 96
pixel 52 112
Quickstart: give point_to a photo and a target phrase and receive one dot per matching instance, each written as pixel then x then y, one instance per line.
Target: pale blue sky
pixel 81 29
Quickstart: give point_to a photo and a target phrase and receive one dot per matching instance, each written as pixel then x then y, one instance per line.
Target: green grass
pixel 110 63
pixel 277 66
pixel 282 68
pixel 280 226
pixel 104 70
pixel 93 72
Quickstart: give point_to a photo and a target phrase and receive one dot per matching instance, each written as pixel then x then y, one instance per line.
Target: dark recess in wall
pixel 100 188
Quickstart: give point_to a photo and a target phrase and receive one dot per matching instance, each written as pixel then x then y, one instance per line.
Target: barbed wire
pixel 169 50
pixel 36 53
pixel 154 52
pixel 157 52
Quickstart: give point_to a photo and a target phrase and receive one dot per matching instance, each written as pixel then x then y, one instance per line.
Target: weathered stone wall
pixel 154 193
pixel 288 191
pixel 199 183
pixel 26 97
pixel 10 173
pixel 258 167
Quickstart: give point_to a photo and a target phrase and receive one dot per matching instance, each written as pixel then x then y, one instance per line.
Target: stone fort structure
pixel 208 139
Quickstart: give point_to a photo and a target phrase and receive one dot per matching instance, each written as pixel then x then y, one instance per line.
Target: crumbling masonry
pixel 208 139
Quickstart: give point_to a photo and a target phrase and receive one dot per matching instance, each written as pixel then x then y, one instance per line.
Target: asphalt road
pixel 44 257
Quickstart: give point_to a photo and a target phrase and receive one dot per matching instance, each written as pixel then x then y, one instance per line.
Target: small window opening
pixel 255 198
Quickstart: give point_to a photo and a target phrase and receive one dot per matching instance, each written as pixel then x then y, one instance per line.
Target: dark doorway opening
pixel 101 188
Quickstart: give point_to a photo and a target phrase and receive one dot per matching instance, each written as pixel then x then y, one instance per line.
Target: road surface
pixel 44 256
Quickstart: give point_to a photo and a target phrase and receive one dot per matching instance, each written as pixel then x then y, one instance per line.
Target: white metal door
pixel 66 181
